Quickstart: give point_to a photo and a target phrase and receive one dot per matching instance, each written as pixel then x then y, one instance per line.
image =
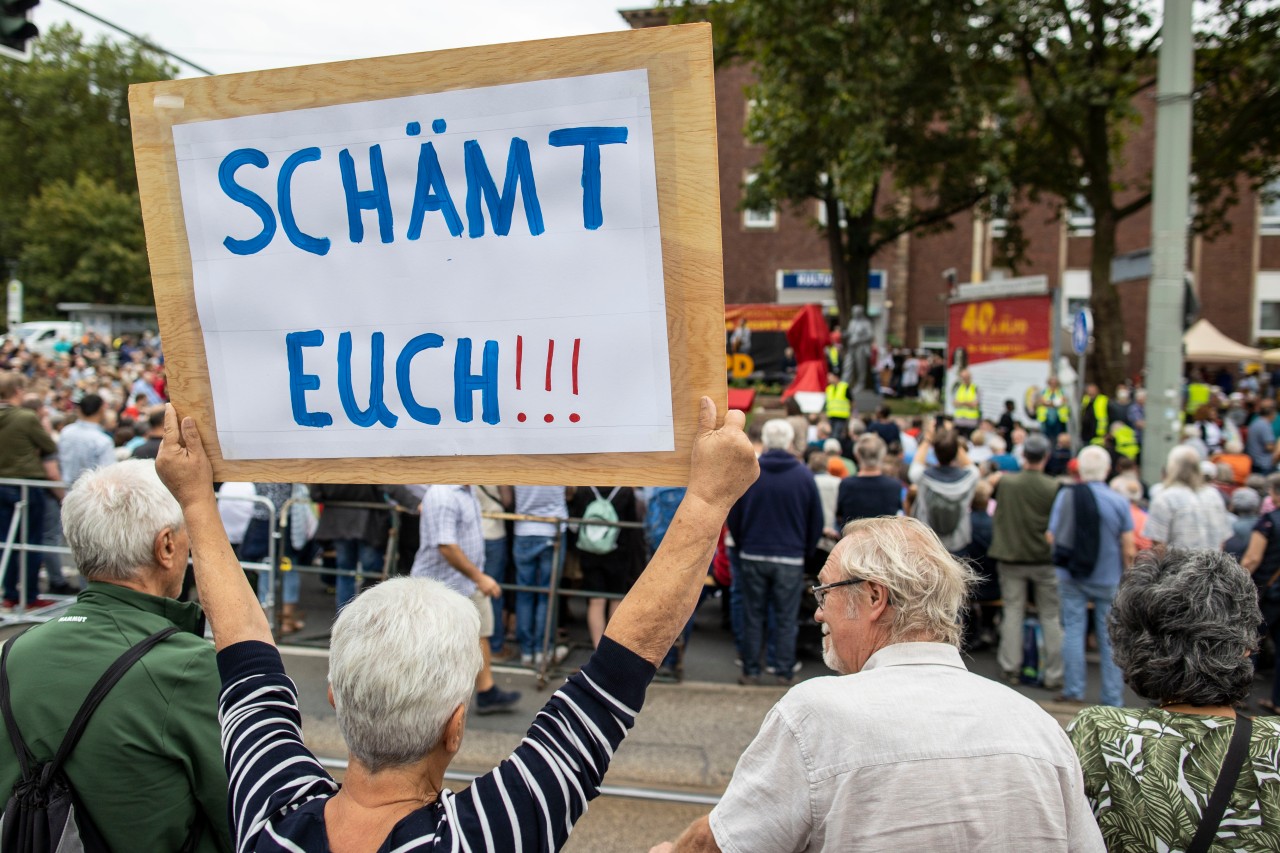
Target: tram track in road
pixel 337 766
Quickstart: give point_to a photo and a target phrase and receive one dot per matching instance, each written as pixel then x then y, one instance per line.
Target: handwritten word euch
pixel 465 383
pixel 431 194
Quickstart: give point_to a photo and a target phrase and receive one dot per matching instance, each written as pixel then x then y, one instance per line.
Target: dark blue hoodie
pixel 781 514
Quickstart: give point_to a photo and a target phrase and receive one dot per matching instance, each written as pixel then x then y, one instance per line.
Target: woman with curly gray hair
pixel 1183 627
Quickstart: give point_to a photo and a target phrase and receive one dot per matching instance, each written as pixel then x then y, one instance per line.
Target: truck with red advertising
pixel 1005 333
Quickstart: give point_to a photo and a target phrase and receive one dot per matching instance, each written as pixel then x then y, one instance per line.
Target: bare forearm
pixel 225 594
pixel 652 615
pixel 698 838
pixel 454 557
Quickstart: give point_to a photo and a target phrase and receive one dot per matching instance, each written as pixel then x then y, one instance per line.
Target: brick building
pixel 1236 274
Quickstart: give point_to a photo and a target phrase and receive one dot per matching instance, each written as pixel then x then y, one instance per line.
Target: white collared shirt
pixel 912 753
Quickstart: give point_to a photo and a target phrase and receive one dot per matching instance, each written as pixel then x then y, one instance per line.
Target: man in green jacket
pixel 1023 554
pixel 148 769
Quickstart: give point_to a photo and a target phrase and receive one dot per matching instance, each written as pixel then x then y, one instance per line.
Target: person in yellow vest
pixel 832 352
pixel 1052 411
pixel 1199 393
pixel 839 405
pixel 1126 440
pixel 968 404
pixel 1095 415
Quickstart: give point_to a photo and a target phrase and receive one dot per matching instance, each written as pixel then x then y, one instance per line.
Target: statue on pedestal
pixel 858 336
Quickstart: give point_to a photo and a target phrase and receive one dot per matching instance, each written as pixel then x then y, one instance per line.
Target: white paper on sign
pixel 464 273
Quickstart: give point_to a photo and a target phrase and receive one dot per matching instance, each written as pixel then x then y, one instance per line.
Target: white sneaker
pixel 526 660
pixel 558 654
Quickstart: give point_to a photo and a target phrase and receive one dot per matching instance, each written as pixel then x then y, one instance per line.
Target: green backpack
pixel 599 538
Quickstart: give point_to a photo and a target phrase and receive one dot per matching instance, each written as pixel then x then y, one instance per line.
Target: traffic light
pixel 16 29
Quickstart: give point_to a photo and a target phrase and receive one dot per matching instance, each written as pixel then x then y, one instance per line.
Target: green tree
pixel 83 242
pixel 64 114
pixel 882 110
pixel 1082 66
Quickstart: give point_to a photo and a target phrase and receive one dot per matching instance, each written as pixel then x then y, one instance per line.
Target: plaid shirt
pixel 450 516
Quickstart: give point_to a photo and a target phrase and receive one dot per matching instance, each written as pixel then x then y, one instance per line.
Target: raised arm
pixel 228 601
pixel 660 602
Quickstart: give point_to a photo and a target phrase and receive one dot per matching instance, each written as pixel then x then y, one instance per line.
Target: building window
pixel 999 222
pixel 1266 296
pixel 759 219
pixel 933 337
pixel 1269 218
pixel 1080 217
pixel 1269 318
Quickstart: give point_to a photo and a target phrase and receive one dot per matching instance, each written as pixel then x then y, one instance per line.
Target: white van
pixel 41 336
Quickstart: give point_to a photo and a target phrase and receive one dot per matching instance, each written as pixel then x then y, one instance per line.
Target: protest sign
pixel 496 264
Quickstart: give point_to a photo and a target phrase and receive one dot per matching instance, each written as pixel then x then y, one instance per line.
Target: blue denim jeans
pixel 764 584
pixel 533 556
pixel 9 498
pixel 346 553
pixel 52 536
pixel 495 566
pixel 1075 598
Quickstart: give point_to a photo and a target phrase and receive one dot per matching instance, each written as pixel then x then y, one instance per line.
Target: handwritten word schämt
pixel 361 183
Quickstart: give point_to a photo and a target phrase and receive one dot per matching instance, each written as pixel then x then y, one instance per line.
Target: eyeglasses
pixel 820 591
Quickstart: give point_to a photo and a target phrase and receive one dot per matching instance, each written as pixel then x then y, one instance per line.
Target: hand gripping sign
pixel 497 263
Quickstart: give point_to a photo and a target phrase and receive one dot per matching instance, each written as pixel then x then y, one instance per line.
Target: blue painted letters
pixel 590 138
pixel 480 184
pixel 250 199
pixel 304 241
pixel 378 198
pixel 300 382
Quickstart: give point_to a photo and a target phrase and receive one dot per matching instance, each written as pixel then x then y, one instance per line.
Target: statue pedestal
pixel 866 402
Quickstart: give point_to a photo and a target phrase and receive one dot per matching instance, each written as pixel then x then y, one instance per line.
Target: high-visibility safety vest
pixel 1053 400
pixel 1101 422
pixel 1198 394
pixel 833 358
pixel 838 400
pixel 967 403
pixel 1126 440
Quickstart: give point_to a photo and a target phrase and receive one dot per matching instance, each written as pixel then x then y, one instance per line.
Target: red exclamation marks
pixel 577 346
pixel 551 357
pixel 519 358
pixel 574 417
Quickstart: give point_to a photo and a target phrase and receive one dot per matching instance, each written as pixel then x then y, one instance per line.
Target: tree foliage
pixel 879 109
pixel 83 242
pixel 1081 68
pixel 65 115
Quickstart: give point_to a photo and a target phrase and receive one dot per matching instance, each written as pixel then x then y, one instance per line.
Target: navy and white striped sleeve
pixel 269 769
pixel 531 801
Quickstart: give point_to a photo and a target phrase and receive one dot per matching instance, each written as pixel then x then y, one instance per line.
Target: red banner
pixel 993 329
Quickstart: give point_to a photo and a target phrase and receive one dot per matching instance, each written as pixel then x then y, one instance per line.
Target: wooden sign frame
pixel 682 101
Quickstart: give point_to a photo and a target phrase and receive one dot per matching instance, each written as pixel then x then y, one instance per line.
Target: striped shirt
pixel 529 802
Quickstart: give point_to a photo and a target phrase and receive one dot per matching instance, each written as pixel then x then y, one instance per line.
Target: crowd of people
pixel 926 536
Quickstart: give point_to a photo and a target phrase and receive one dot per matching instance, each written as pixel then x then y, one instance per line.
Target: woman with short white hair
pixel 1187 513
pixel 403 661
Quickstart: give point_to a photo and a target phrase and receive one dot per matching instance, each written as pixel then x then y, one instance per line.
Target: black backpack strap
pixel 99 692
pixel 1211 817
pixel 26 760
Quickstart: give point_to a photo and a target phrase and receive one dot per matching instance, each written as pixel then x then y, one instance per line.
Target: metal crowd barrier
pixel 553 589
pixel 280 529
pixel 18 543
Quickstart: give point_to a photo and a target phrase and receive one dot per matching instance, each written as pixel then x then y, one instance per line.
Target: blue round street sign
pixel 1080 331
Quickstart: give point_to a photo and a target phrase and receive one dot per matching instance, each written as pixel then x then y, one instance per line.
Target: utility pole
pixel 1170 185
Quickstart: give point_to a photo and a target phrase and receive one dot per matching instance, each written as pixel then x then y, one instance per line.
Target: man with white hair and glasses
pixel 905 749
pixel 402 664
pixel 148 770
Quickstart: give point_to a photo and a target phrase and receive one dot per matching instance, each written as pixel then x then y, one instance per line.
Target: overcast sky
pixel 247 35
